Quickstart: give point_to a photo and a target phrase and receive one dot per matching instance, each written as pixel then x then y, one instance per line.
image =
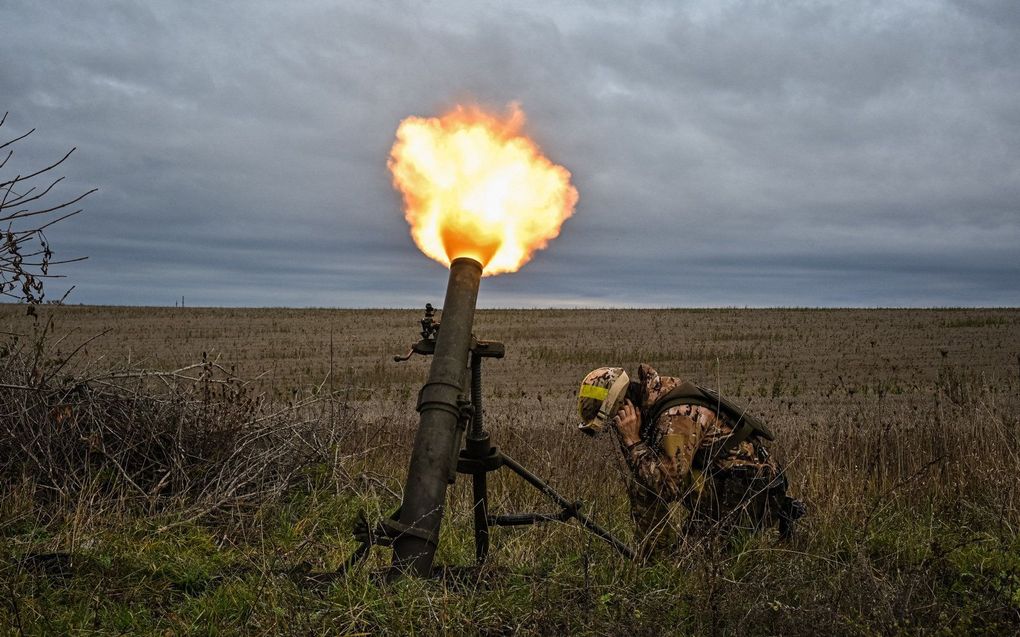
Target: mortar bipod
pixel 479 457
pixel 475 455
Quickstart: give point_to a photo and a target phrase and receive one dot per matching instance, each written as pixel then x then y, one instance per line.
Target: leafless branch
pixel 25 254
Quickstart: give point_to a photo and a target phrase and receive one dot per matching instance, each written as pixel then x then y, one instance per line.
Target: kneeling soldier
pixel 686 443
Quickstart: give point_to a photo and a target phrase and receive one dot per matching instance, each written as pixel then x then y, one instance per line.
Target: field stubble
pixel 898 427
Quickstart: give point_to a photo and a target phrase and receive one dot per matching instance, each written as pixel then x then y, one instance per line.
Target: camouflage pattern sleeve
pixel 664 466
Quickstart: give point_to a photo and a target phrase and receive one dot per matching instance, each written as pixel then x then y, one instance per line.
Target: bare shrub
pixel 197 439
pixel 28 208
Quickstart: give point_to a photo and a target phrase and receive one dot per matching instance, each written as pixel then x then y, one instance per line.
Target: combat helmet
pixel 601 394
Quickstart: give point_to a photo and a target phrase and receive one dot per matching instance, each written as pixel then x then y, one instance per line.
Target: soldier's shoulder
pixel 678 418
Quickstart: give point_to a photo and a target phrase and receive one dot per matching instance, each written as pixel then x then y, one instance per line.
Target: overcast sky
pixel 726 153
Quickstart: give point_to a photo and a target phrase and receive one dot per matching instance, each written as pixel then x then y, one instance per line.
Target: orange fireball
pixel 475 186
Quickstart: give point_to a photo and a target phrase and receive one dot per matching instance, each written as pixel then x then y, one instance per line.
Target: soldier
pixel 686 443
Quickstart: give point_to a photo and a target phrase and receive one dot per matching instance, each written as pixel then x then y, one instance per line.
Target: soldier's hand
pixel 628 423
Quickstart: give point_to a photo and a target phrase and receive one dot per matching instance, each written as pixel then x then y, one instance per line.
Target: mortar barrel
pixel 425 489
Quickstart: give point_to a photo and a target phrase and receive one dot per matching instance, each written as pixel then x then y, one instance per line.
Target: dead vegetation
pixel 190 491
pixel 191 442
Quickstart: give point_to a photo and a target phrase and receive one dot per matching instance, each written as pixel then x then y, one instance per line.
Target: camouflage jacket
pixel 663 465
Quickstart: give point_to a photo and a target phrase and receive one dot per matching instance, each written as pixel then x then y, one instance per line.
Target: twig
pixel 72 354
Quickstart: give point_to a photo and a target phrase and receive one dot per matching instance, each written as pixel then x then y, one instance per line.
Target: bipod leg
pixel 478 447
pixel 478 459
pixel 479 487
pixel 568 506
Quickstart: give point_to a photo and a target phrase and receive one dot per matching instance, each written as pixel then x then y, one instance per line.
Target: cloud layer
pixel 726 153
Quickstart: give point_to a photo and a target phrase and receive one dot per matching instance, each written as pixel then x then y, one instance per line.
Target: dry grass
pixel 900 428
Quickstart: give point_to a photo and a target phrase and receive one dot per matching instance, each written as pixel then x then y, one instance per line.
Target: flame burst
pixel 474 186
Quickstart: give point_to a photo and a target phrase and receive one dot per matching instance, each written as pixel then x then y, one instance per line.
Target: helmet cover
pixel 599 398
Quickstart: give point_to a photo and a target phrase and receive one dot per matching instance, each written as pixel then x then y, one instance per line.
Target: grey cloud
pixel 768 154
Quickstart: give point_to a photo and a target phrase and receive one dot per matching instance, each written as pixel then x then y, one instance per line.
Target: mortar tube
pixel 425 488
